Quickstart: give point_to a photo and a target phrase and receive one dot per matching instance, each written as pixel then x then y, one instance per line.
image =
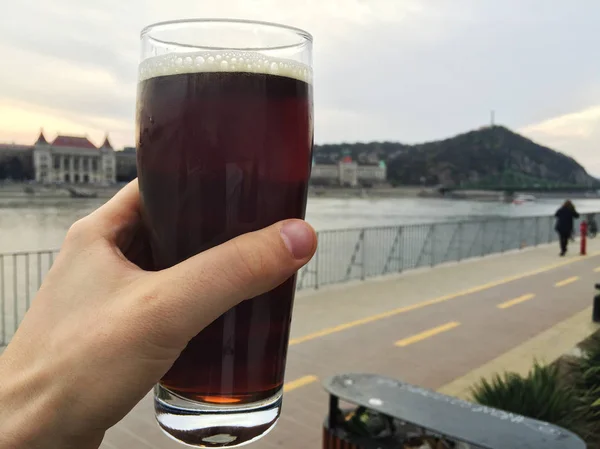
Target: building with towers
pixel 73 160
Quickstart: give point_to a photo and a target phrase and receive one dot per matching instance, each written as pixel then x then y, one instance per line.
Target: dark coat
pixel 564 220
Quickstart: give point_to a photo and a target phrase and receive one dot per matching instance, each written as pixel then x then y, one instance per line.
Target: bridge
pixel 512 181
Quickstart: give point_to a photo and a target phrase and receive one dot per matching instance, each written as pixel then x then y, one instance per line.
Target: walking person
pixel 565 217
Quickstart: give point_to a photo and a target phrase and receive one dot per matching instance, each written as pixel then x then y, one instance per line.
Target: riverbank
pixel 54 192
pixel 429 192
pixel 39 191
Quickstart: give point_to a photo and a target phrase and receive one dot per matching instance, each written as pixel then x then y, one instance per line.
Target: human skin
pixel 101 331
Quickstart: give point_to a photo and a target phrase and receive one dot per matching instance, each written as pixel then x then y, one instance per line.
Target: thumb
pixel 200 289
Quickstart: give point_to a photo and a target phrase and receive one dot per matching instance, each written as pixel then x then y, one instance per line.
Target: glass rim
pixel 305 35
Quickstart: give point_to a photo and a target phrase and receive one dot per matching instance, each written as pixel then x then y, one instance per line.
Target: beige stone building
pixel 73 160
pixel 349 173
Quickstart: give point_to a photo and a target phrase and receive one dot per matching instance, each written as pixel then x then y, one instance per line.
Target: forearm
pixel 32 413
pixel 25 406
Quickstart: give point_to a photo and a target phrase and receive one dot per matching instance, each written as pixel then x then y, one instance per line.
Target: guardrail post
pixel 583 237
pixel 400 255
pixel 472 245
pixel 27 289
pixel 317 266
pixel 503 235
pixel 483 236
pixel 424 246
pixel 400 248
pixel 452 239
pixel 433 246
pixel 521 224
pixel 392 254
pixel 460 242
pixel 363 258
pixel 39 267
pixel 359 246
pixel 15 294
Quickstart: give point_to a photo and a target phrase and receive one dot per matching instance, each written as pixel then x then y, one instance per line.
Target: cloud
pixel 406 70
pixel 576 133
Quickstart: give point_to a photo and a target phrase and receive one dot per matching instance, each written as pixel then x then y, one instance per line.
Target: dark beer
pixel 222 153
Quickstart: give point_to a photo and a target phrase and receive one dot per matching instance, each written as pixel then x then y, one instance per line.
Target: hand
pixel 101 331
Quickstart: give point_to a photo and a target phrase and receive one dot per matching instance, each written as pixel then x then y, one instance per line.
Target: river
pixel 28 225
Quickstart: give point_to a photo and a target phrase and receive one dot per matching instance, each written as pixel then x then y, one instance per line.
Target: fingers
pixel 202 288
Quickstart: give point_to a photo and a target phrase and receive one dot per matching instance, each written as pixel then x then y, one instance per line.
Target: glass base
pixel 199 424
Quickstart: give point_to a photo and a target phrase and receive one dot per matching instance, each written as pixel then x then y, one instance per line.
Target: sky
pixel 398 70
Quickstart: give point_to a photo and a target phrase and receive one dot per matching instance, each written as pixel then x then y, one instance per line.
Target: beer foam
pixel 223 61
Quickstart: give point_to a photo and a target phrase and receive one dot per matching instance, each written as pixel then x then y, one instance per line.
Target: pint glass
pixel 224 147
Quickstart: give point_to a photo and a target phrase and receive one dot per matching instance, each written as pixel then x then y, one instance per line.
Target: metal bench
pixel 419 414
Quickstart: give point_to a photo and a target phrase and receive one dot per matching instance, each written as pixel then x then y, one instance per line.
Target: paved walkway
pixel 436 328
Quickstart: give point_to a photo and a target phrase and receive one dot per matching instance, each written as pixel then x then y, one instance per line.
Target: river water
pixel 29 225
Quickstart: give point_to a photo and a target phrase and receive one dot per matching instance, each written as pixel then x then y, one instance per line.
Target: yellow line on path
pixel 514 302
pixel 597 270
pixel 342 327
pixel 567 281
pixel 301 382
pixel 427 334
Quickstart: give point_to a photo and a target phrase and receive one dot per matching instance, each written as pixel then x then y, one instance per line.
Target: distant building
pixel 67 159
pixel 16 162
pixel 73 160
pixel 76 160
pixel 349 173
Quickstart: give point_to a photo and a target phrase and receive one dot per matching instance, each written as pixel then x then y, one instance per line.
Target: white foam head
pixel 223 61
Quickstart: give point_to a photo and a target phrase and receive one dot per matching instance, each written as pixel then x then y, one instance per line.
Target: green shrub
pixel 584 374
pixel 542 395
pixel 586 369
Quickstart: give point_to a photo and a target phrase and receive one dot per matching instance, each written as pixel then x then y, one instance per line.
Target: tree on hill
pixel 477 158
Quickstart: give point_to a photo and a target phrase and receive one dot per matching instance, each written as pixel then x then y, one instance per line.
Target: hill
pixel 487 156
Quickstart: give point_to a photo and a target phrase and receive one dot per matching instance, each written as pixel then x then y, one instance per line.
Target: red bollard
pixel 583 229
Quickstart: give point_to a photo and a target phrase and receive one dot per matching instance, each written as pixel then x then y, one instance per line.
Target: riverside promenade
pixel 441 328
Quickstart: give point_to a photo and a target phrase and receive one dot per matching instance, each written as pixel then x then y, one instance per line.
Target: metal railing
pixel 358 254
pixel 21 275
pixel 343 255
